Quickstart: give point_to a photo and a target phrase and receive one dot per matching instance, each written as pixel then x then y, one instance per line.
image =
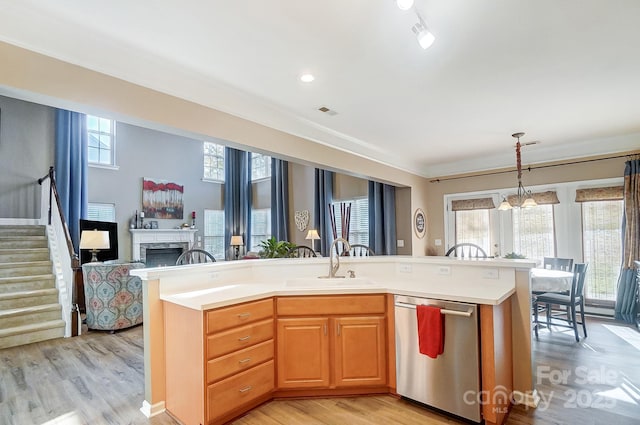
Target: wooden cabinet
pixel 360 351
pixel 219 363
pixel 331 342
pixel 239 352
pixel 303 352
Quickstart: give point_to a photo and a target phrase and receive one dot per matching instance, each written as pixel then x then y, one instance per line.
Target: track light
pixel 404 4
pixel 424 36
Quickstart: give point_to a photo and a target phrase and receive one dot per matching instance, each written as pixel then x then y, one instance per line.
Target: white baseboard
pixel 150 410
pixel 529 399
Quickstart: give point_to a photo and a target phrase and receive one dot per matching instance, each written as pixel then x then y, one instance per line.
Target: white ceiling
pixel 566 72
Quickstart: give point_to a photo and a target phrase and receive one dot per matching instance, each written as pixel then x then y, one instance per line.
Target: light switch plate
pixel 438 242
pixel 445 270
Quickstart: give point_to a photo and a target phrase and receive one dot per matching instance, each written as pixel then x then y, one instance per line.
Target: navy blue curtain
pixel 71 167
pixel 626 304
pixel 237 198
pixel 280 199
pixel 382 218
pixel 323 194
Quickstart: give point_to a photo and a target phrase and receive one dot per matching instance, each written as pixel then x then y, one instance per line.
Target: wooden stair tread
pixel 22 237
pixel 27 310
pixel 25 264
pixel 28 293
pixel 32 327
pixel 29 278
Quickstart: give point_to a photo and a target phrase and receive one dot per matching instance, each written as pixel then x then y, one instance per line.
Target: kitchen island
pixel 190 306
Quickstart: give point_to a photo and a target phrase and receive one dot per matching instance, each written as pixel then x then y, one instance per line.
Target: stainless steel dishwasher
pixel 450 382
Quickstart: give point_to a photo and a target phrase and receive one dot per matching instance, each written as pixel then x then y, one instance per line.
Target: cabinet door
pixel 360 353
pixel 303 353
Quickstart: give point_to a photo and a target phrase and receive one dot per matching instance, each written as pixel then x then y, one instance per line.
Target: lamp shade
pixel 236 240
pixel 312 234
pixel 94 239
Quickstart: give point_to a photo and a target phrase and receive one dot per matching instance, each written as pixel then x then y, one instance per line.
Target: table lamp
pixel 236 241
pixel 94 240
pixel 313 235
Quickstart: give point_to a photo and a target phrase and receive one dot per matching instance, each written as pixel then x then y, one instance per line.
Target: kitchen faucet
pixel 333 268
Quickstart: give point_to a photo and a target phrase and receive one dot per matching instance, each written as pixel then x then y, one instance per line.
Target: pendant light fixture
pixel 524 196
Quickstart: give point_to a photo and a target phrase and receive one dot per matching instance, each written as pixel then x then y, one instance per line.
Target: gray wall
pixel 26 153
pixel 141 152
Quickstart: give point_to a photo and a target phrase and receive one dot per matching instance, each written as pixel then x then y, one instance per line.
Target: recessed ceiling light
pixel 307 78
pixel 404 4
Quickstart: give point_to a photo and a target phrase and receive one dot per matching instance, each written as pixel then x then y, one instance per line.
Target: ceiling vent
pixel 327 111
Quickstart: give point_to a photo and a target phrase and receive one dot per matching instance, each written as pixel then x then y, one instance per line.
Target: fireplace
pixel 161 254
pixel 160 247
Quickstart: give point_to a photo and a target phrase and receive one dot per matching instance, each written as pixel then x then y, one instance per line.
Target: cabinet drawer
pixel 228 317
pixel 327 305
pixel 224 396
pixel 238 361
pixel 239 338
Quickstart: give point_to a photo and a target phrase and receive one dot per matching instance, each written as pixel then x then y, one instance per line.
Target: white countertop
pixel 216 285
pixel 233 293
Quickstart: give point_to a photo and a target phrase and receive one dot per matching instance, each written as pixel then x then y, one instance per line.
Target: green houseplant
pixel 272 248
pixel 514 255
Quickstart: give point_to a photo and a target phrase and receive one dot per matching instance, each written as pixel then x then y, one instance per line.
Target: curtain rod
pixel 493 173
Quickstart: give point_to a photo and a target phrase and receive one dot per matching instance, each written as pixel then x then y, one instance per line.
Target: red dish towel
pixel 430 330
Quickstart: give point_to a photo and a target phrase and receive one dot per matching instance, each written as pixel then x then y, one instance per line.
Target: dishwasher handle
pixel 467 313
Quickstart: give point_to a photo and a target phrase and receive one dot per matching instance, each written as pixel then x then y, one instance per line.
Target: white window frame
pixel 352 230
pixel 265 170
pixel 567 217
pixel 219 256
pixel 111 134
pixel 254 242
pixel 100 211
pixel 217 157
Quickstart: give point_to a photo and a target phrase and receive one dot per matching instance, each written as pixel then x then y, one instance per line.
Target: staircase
pixel 29 308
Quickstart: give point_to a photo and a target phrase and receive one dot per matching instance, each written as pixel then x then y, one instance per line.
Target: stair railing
pixel 53 194
pixel 66 263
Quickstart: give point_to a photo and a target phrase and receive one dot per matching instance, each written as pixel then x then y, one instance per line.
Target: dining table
pixel 547 280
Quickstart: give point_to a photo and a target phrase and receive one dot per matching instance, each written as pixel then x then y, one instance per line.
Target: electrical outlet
pixel 214 276
pixel 445 270
pixel 491 274
pixel 405 268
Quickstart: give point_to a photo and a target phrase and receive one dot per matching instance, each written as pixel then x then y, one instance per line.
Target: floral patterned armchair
pixel 113 297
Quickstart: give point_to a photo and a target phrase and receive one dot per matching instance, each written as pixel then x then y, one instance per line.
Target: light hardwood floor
pixel 97 378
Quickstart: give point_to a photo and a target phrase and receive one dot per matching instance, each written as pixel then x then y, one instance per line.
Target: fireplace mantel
pixel 160 237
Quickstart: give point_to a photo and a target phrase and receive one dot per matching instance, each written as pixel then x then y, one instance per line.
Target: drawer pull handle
pixel 245 389
pixel 247 360
pixel 244 338
pixel 243 315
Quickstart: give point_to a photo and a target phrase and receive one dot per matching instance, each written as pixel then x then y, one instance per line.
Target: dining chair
pixel 195 256
pixel 359 250
pixel 555 263
pixel 301 251
pixel 553 301
pixel 466 250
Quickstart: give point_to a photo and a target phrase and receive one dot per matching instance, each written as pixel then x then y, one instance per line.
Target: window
pixel 260 166
pixel 101 212
pixel 101 140
pixel 214 233
pixel 601 236
pixel 213 161
pixel 533 232
pixel 473 226
pixel 260 227
pixel 359 224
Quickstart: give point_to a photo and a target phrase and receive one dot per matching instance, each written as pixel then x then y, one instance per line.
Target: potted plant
pixel 272 248
pixel 513 255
